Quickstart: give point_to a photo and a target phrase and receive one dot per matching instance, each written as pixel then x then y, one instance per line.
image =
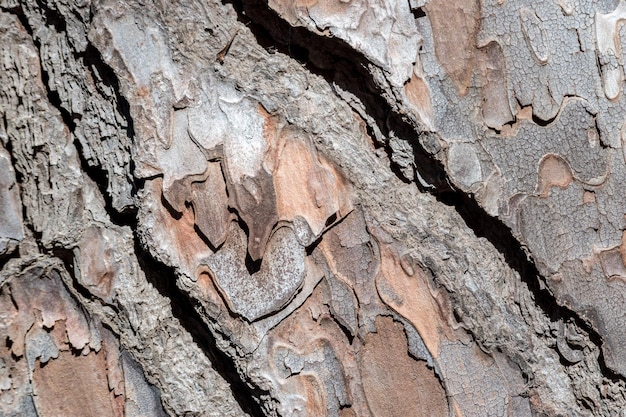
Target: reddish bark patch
pixel 553 172
pixel 73 386
pixel 394 383
pixel 455 26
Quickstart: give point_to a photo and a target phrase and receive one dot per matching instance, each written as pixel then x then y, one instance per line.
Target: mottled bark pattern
pixel 312 208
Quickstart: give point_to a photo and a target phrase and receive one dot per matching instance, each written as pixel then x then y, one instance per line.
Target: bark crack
pixel 339 64
pixel 164 278
pixel 160 276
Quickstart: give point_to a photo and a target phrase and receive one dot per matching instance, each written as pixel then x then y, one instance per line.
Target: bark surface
pixel 312 208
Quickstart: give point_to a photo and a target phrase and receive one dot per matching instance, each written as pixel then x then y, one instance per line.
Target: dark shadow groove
pixel 102 73
pixel 206 240
pixel 185 310
pixel 52 17
pixel 502 238
pixel 418 12
pixel 100 176
pixel 177 215
pixel 334 60
pixel 161 276
pixel 7 257
pixel 339 64
pixel 253 266
pixel 66 256
pixel 95 172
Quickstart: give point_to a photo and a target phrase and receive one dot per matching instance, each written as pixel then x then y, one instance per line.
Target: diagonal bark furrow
pixel 96 173
pixel 103 78
pixel 99 176
pixel 53 96
pixel 105 75
pixel 160 276
pixel 92 60
pixel 163 278
pixel 501 237
pixel 339 64
pixel 335 61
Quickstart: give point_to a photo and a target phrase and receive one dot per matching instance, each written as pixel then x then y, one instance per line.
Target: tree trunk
pixel 294 208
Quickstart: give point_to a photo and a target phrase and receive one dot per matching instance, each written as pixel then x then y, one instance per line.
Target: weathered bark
pixel 361 208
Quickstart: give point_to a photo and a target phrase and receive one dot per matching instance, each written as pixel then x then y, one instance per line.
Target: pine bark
pixel 311 208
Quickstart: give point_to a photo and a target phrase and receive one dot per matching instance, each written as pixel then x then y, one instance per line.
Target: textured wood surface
pixel 312 208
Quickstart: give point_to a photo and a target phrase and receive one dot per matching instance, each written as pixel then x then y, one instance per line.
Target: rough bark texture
pixel 312 208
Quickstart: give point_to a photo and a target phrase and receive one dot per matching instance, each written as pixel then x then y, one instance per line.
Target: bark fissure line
pixel 349 71
pixel 163 278
pixel 160 276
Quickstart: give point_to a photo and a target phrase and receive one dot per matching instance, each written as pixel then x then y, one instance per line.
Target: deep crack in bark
pixel 160 276
pixel 163 278
pixel 337 63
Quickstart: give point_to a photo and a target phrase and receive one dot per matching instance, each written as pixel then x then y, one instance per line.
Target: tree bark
pixel 294 208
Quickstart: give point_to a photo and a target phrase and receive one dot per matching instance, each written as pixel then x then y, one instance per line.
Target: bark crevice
pixel 163 278
pixel 160 276
pixel 338 63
